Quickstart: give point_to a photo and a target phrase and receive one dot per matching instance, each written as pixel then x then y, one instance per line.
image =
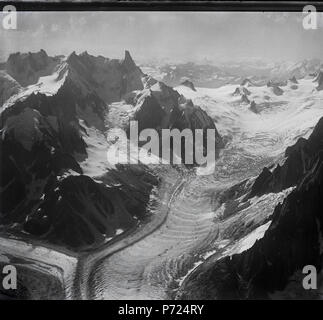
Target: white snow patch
pixel 67 173
pixel 119 231
pixel 248 241
pixel 48 85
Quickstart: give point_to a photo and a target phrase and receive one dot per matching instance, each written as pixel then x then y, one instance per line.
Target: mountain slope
pixel 292 241
pixel 27 68
pixel 8 87
pixel 299 160
pixel 56 184
pixel 42 147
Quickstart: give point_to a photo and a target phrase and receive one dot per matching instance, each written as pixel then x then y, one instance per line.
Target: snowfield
pixel 283 119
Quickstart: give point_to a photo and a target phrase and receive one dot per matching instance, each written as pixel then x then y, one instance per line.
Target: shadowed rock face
pixel 161 107
pixel 246 82
pixel 293 80
pixel 26 68
pixel 319 80
pixel 278 91
pixel 110 79
pixel 188 84
pixel 241 91
pixel 77 212
pixel 253 107
pixel 8 87
pixel 150 113
pixel 244 99
pixel 128 64
pixel 292 241
pixel 299 161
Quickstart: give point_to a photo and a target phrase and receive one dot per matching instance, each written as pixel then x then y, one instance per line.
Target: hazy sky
pixel 173 35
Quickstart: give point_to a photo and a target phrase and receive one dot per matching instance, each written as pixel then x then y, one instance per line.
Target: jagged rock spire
pixel 128 62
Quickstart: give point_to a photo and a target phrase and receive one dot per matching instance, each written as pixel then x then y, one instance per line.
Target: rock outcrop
pixel 294 80
pixel 189 84
pixel 240 91
pixel 253 107
pixel 319 80
pixel 246 82
pixel 244 99
pixel 277 90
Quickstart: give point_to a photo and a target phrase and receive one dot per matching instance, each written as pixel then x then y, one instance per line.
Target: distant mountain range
pixel 215 75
